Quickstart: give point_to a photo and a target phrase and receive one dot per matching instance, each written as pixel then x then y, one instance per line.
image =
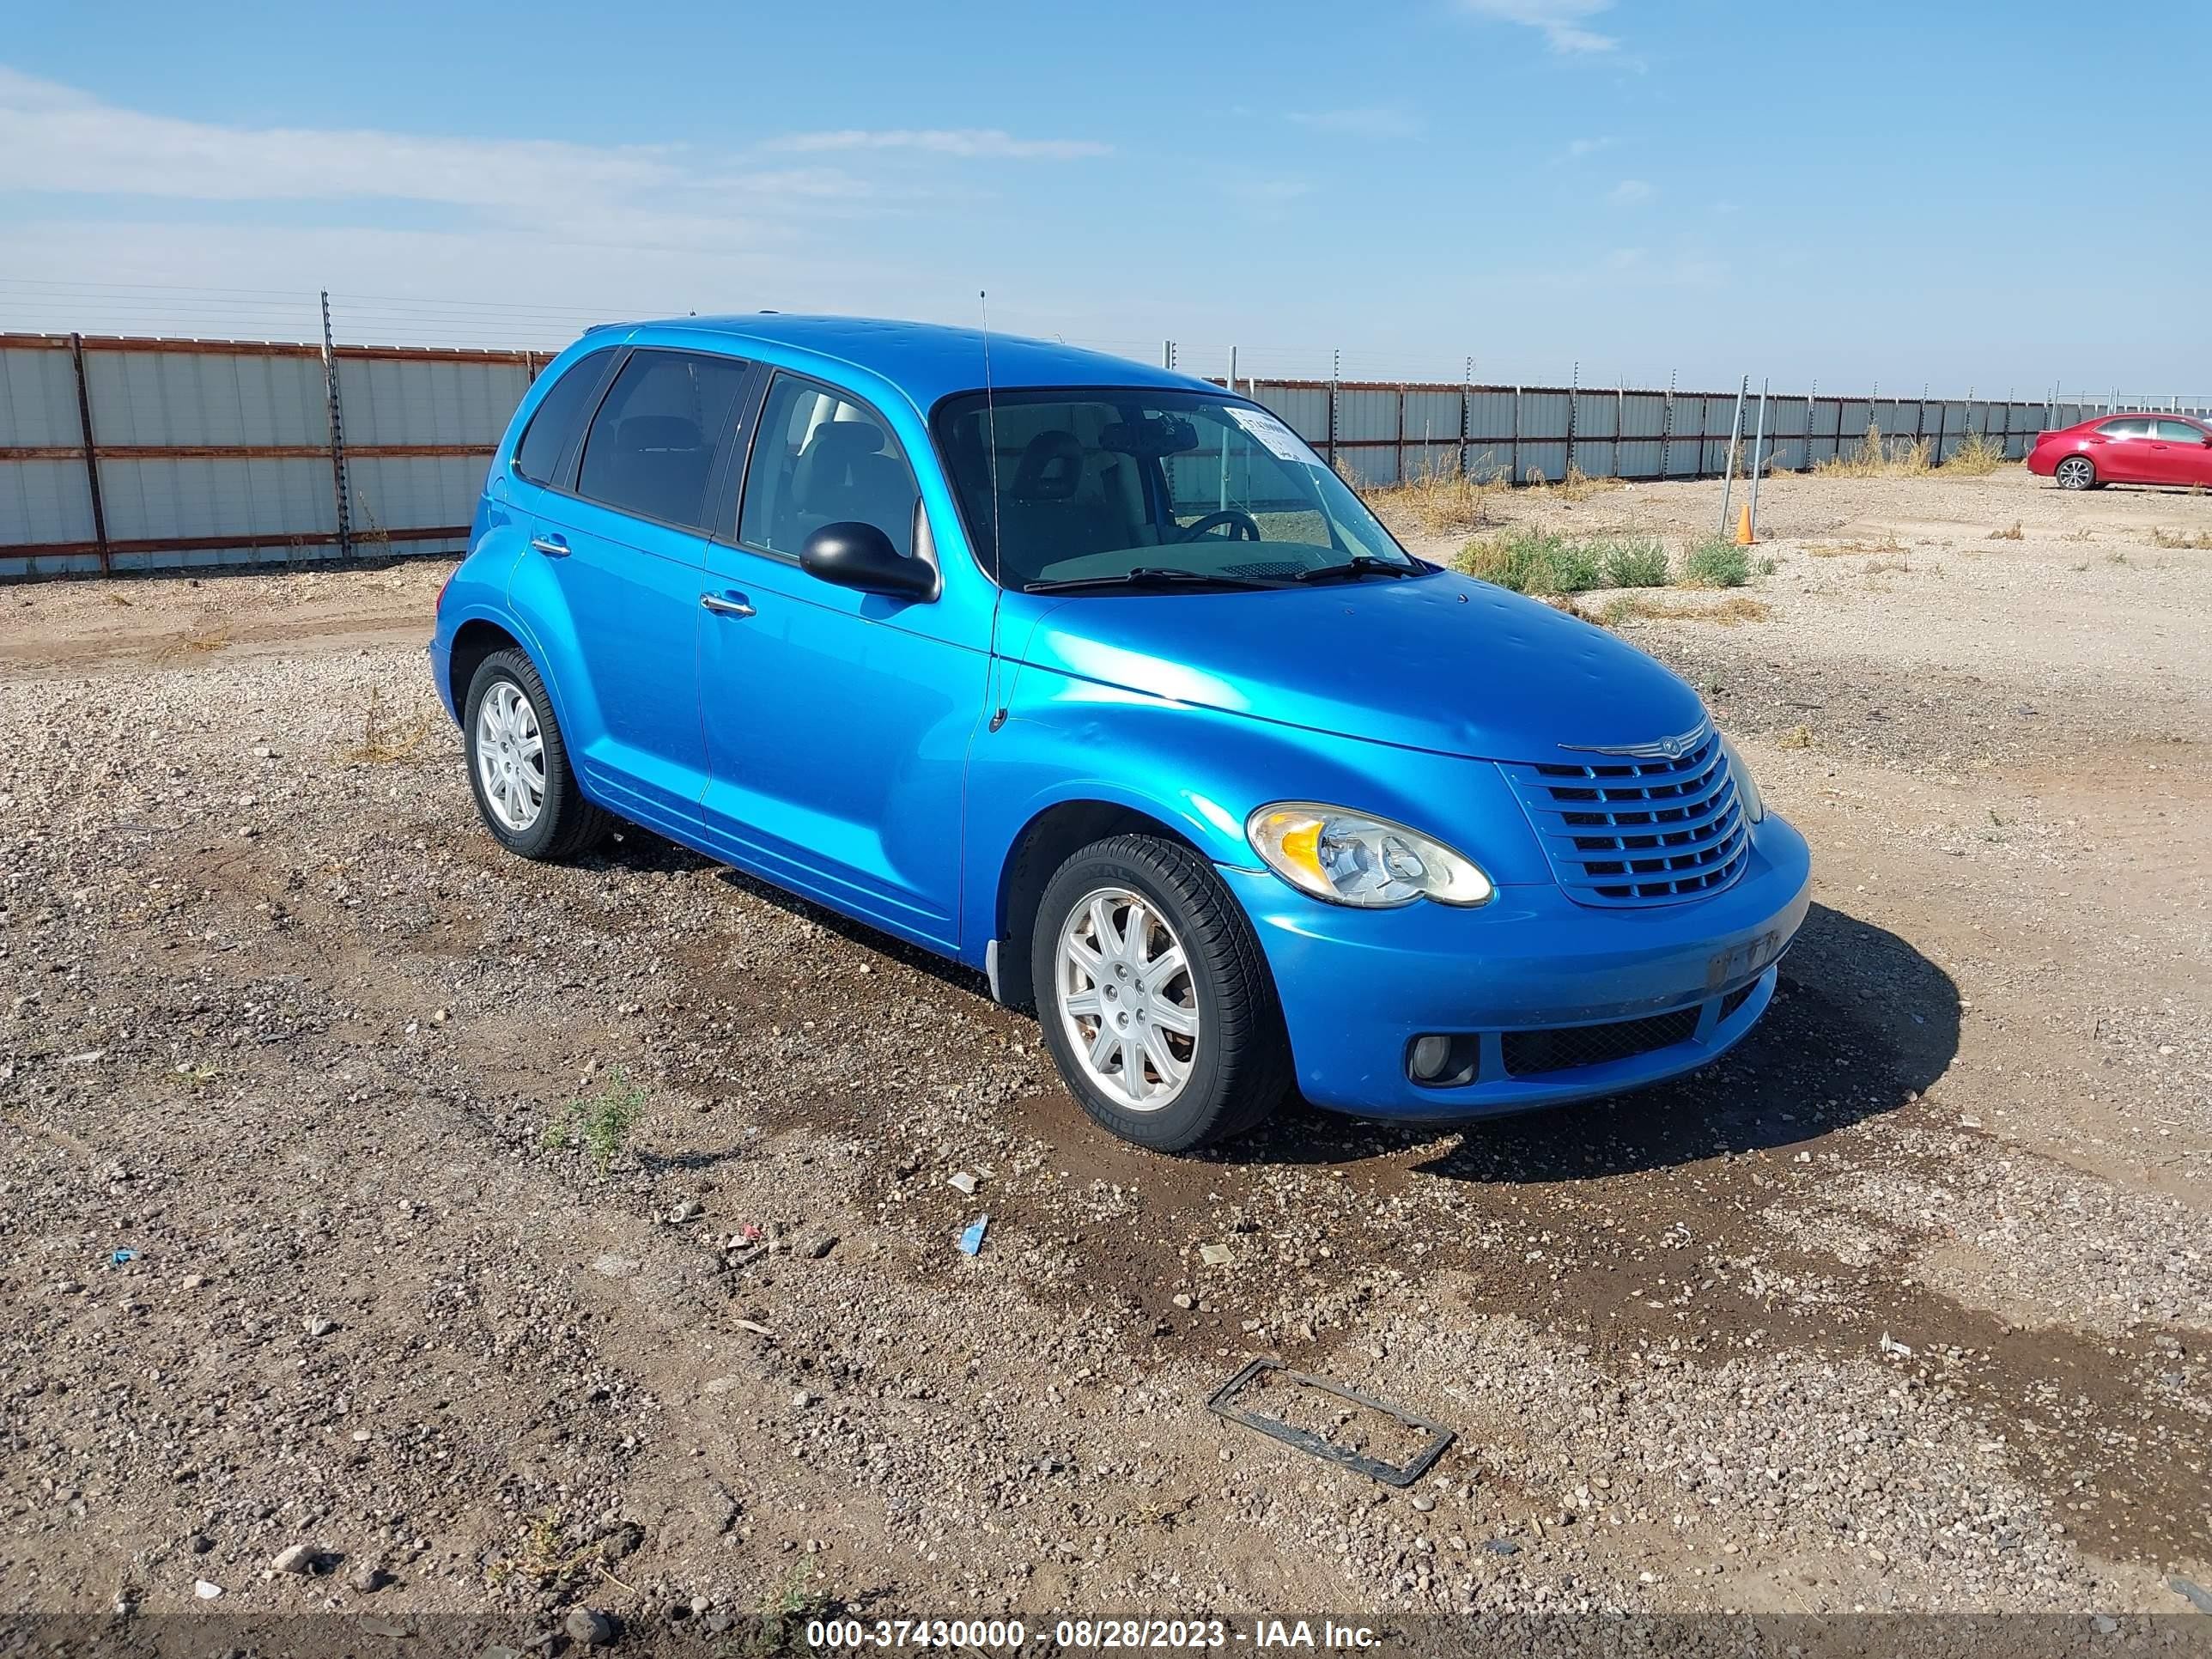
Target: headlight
pixel 1747 787
pixel 1348 858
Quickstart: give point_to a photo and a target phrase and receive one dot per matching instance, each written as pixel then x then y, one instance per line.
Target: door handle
pixel 553 547
pixel 722 607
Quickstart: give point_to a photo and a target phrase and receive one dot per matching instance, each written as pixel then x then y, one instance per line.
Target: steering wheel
pixel 1243 526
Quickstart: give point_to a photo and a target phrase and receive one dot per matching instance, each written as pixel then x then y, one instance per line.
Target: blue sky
pixel 1999 195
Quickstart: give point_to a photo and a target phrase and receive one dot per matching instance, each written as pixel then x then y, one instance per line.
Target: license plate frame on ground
pixel 1222 1403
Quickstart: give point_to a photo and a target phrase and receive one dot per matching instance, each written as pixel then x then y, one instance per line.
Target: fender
pixel 1200 772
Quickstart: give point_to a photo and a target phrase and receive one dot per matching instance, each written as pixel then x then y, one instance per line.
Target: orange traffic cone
pixel 1743 536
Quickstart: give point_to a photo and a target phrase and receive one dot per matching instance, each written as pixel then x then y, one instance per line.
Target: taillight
pixel 447 584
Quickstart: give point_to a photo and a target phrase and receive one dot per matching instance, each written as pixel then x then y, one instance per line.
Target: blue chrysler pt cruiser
pixel 1097 678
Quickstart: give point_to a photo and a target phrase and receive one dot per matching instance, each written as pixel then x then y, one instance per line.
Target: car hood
pixel 1442 662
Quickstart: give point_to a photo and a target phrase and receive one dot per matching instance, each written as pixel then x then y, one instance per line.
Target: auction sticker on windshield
pixel 1280 440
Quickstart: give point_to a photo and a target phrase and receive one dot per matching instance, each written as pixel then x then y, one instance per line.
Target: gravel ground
pixel 1905 1305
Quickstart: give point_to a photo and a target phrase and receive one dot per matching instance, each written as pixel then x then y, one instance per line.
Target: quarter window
pixel 820 460
pixel 545 440
pixel 651 447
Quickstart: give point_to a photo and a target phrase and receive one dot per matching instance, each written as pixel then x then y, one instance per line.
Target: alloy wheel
pixel 2075 473
pixel 1126 999
pixel 511 757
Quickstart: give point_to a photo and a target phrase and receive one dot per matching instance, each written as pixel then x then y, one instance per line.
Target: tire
pixel 564 823
pixel 1233 1064
pixel 2076 472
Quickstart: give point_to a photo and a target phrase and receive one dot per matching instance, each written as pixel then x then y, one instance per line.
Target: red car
pixel 2148 449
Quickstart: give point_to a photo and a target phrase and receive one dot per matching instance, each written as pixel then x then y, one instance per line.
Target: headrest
pixel 658 432
pixel 1051 467
pixel 844 441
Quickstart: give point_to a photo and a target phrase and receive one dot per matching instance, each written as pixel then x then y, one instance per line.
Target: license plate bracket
pixel 1741 961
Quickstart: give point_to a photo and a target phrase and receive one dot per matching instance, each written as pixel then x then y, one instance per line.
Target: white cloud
pixel 967 143
pixel 1375 122
pixel 1581 147
pixel 55 138
pixel 1561 21
pixel 1629 192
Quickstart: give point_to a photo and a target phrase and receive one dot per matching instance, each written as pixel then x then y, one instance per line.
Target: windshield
pixel 1101 488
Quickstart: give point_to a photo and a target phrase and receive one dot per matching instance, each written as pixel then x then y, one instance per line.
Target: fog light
pixel 1431 1055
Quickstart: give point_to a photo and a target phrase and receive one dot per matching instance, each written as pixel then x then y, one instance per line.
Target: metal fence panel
pixel 412 493
pixel 38 398
pixel 222 451
pixel 176 398
pixel 1431 414
pixel 157 500
pixel 413 401
pixel 44 502
pixel 1366 413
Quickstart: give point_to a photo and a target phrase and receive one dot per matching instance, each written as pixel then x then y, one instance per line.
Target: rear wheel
pixel 1155 1001
pixel 2076 472
pixel 518 766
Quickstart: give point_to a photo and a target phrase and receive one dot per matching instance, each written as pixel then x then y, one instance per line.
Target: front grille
pixel 1562 1047
pixel 1736 999
pixel 1633 830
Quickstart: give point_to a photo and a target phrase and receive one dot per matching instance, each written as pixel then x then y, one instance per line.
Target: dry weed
pixel 1979 455
pixel 2010 533
pixel 203 639
pixel 2202 538
pixel 384 741
pixel 1438 499
pixel 1878 457
pixel 1650 607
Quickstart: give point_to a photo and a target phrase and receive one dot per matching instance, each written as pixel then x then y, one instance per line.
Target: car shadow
pixel 643 850
pixel 1860 1024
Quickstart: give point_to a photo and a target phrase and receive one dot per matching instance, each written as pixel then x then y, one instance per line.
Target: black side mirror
pixel 859 555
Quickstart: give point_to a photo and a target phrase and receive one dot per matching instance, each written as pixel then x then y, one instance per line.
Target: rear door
pixel 624 544
pixel 2121 449
pixel 2178 453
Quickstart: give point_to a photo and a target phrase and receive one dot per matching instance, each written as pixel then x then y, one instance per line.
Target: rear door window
pixel 545 440
pixel 821 459
pixel 2125 428
pixel 651 448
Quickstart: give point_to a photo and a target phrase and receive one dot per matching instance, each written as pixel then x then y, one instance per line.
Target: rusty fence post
pixel 337 435
pixel 1335 373
pixel 1574 398
pixel 1466 412
pixel 91 455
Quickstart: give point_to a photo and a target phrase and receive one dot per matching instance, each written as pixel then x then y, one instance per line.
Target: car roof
pixel 928 360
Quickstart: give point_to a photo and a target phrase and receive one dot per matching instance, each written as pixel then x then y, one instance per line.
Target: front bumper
pixel 1358 987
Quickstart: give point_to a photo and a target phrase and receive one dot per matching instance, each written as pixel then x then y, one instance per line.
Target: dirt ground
pixel 1905 1305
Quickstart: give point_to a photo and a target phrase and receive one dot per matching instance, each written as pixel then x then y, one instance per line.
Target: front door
pixel 837 723
pixel 2178 454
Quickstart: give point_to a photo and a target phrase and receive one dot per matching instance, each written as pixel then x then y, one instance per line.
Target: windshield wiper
pixel 1360 564
pixel 1146 575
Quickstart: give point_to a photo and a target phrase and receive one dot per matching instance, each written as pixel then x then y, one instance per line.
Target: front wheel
pixel 2076 472
pixel 1156 1003
pixel 518 766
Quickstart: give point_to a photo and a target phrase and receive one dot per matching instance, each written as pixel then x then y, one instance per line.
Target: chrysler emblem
pixel 1671 749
